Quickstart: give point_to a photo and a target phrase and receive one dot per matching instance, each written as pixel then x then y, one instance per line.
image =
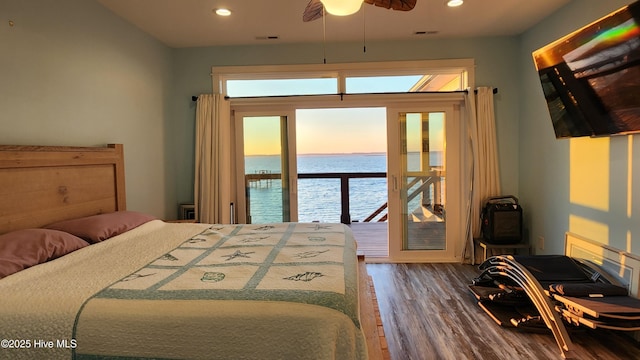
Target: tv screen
pixel 591 77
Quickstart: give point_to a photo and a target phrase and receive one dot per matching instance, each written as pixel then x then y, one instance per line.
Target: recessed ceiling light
pixel 223 12
pixel 454 3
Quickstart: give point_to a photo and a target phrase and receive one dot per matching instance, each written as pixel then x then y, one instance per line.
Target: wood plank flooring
pixel 428 313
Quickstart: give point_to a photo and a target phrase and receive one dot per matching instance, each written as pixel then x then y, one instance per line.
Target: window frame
pixel 221 74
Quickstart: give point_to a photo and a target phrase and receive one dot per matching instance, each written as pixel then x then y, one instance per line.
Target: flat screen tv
pixel 591 77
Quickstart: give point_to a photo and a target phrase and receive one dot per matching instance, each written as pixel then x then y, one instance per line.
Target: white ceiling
pixel 192 23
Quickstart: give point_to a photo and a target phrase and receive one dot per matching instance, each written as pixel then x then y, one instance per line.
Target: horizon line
pixel 351 153
pixel 348 153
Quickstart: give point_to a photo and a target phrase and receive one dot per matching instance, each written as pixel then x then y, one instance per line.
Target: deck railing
pixel 345 216
pixel 427 180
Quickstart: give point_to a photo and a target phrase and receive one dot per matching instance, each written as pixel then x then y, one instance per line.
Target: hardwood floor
pixel 428 313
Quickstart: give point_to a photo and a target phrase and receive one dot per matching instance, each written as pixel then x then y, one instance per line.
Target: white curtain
pixel 213 175
pixel 482 158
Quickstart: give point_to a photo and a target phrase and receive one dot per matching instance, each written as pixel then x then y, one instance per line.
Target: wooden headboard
pixel 43 184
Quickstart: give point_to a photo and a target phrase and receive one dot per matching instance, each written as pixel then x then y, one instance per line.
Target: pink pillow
pixel 100 227
pixel 25 248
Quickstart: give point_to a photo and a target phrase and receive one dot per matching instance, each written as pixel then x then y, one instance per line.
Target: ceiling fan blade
pixel 402 5
pixel 313 11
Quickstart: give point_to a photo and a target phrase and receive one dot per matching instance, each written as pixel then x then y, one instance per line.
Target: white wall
pixel 72 73
pixel 587 186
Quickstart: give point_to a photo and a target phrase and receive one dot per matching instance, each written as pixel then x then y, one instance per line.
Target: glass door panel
pixel 423 204
pixel 423 181
pixel 267 169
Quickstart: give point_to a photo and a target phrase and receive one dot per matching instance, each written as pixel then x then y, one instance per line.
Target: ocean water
pixel 319 199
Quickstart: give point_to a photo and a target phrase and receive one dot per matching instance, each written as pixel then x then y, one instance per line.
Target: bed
pixel 143 288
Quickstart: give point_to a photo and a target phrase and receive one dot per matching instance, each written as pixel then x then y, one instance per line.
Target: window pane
pixel 381 84
pixel 404 83
pixel 266 169
pixel 424 181
pixel 276 87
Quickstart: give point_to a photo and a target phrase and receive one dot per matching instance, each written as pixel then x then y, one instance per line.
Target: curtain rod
pixel 495 91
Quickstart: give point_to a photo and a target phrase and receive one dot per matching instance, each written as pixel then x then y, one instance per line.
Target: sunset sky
pixel 322 131
pixel 337 131
pixel 343 131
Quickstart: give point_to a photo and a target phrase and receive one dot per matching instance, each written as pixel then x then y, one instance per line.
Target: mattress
pixel 197 291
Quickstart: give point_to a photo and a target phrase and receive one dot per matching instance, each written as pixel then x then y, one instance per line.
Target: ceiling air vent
pixel 271 37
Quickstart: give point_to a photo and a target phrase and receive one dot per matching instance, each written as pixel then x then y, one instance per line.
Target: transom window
pixel 351 78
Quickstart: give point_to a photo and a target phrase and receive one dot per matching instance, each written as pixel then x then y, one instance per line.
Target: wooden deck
pixel 372 237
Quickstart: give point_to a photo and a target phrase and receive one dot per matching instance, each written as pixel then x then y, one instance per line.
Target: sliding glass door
pixel 424 175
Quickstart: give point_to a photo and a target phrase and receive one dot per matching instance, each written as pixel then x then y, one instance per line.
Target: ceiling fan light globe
pixel 454 3
pixel 223 12
pixel 342 7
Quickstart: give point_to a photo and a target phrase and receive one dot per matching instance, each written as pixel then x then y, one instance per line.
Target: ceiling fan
pixel 314 9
